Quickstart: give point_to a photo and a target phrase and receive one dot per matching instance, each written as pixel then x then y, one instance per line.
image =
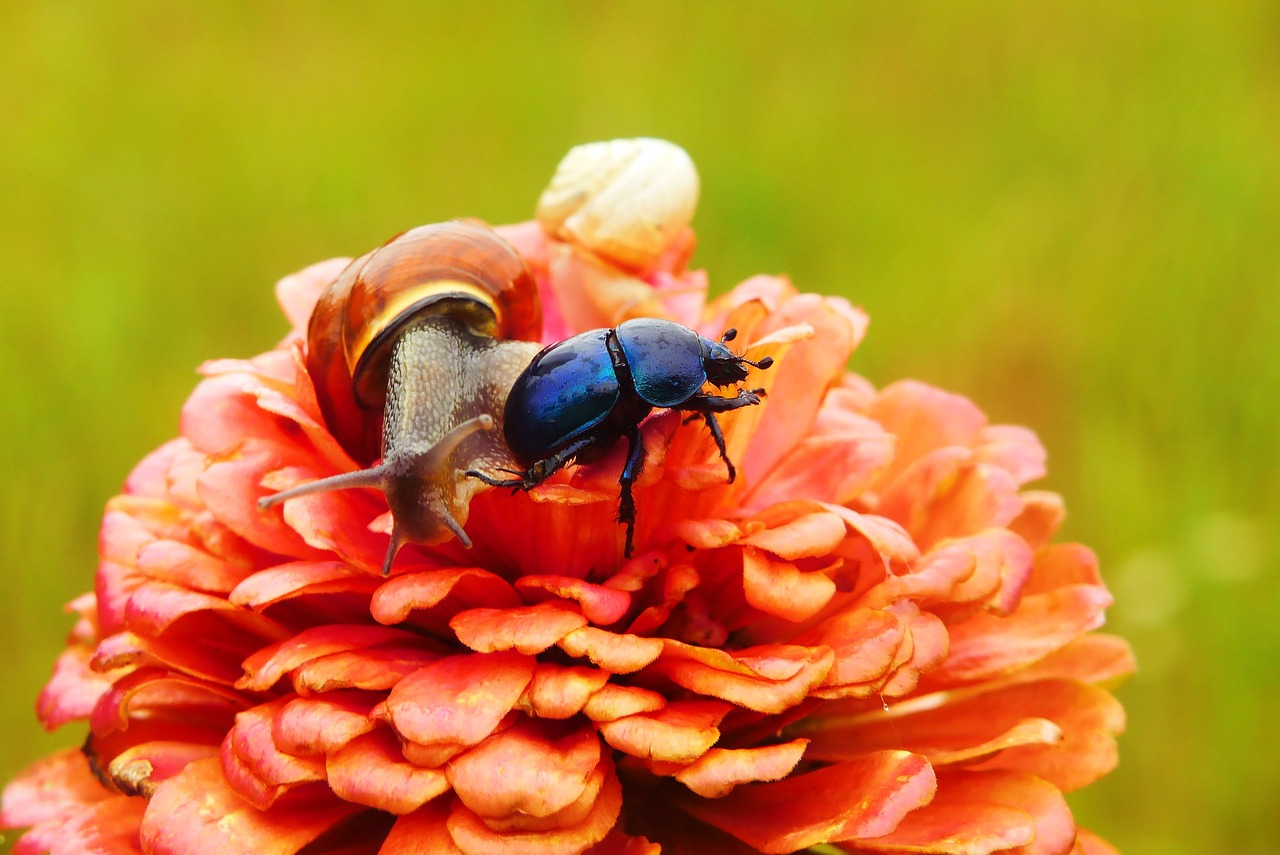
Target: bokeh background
pixel 1066 211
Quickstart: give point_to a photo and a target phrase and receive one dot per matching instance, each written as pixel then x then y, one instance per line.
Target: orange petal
pixel 976 813
pixel 986 645
pixel 681 732
pixel 923 418
pixel 614 702
pixel 370 770
pixel 471 833
pixel 1061 730
pixel 195 811
pixel 839 458
pixel 781 589
pixel 806 536
pixel 459 700
pixel 558 692
pixel 528 629
pixel 252 743
pixel 464 587
pixel 714 673
pixel 798 382
pixel 531 769
pixel 186 566
pixel 137 770
pixel 424 830
pixel 717 772
pixel 286 581
pixel 1041 516
pixel 310 726
pixel 374 669
pixel 617 653
pixel 601 606
pixel 865 642
pixel 264 668
pixel 1013 448
pixel 860 799
pixel 1093 658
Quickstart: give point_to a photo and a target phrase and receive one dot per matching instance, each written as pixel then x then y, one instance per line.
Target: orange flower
pixel 867 640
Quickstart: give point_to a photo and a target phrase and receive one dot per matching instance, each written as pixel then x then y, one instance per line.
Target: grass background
pixel 1066 211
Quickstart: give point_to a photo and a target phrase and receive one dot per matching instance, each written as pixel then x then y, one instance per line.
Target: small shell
pixel 623 199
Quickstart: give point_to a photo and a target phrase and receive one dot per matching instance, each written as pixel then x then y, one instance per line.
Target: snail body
pixel 412 351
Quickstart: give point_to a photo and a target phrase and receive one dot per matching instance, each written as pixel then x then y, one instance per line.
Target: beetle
pixel 579 396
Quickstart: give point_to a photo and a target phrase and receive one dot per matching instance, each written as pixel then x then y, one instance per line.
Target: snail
pixel 412 351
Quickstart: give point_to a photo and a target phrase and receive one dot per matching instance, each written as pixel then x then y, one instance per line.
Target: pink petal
pixel 297 293
pixel 51 789
pixel 185 566
pixel 105 828
pixel 72 691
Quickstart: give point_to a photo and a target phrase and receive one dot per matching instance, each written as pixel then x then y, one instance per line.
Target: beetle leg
pixel 538 471
pixel 626 502
pixel 707 406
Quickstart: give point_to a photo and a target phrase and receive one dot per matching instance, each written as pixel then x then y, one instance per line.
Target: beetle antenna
pixel 764 363
pixel 729 335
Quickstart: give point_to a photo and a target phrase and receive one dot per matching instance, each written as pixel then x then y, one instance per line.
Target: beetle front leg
pixel 626 502
pixel 707 406
pixel 538 471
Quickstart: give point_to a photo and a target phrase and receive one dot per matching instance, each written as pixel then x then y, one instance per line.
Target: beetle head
pixel 723 366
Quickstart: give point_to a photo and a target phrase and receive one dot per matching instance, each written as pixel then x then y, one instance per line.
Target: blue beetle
pixel 579 396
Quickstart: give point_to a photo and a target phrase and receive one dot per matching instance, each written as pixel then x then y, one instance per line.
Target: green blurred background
pixel 1066 211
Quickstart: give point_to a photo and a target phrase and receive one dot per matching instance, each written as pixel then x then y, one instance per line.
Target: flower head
pixel 869 639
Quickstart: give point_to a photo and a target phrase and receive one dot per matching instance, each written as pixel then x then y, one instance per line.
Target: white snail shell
pixel 622 199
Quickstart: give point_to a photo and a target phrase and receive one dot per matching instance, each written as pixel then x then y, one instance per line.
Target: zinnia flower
pixel 868 640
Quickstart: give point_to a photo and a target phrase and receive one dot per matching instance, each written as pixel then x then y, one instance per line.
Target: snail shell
pixel 624 199
pixel 412 351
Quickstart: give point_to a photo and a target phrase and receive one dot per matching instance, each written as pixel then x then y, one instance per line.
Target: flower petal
pixel 195 811
pixel 459 700
pixel 976 813
pixel 680 733
pixel 717 772
pixel 857 800
pixel 370 770
pixel 528 629
pixel 531 769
